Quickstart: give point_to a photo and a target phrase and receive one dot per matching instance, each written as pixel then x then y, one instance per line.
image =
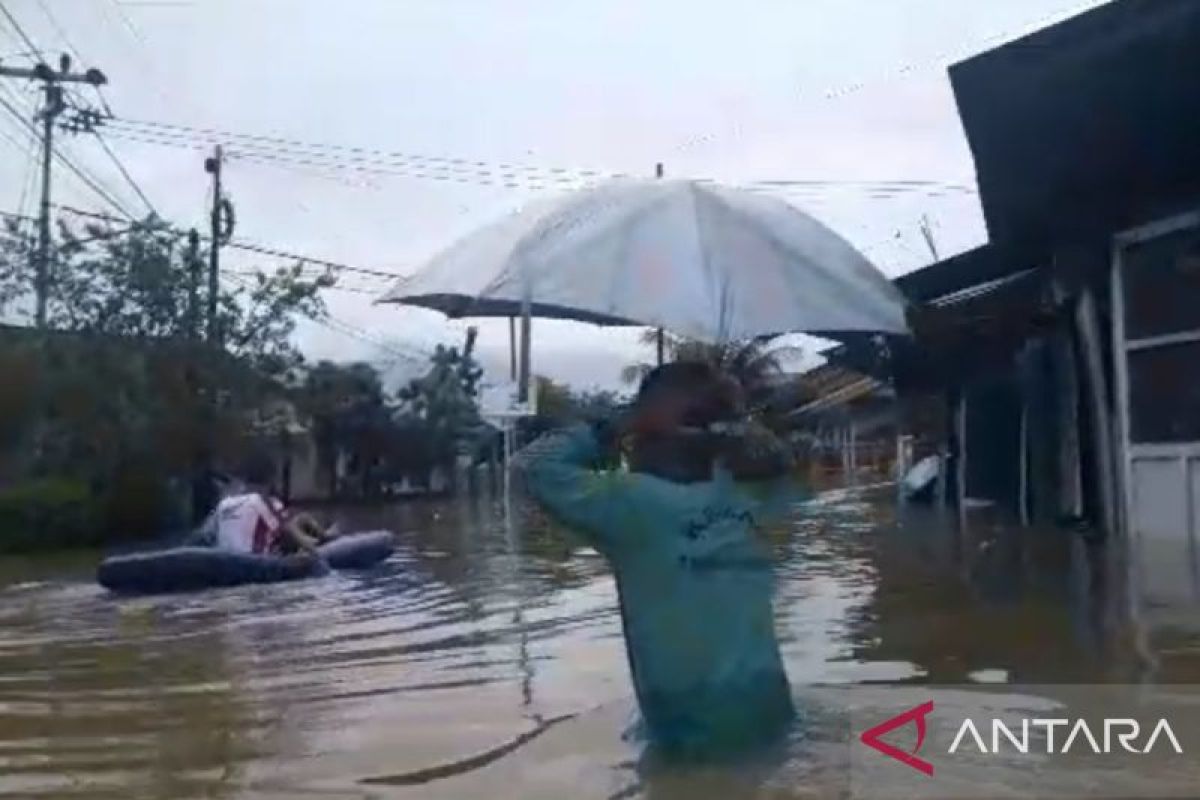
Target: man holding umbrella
pixel 693 575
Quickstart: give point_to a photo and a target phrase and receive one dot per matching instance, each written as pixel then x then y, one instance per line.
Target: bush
pixel 47 514
pixel 135 504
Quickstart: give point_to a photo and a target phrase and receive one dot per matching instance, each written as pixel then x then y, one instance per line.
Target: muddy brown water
pixel 485 660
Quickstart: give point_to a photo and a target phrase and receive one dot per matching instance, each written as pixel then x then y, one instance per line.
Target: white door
pixel 1156 319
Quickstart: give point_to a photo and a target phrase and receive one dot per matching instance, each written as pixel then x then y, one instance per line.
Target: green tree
pixel 554 400
pixel 348 411
pixel 558 404
pixel 119 392
pixel 755 363
pixel 445 402
pixel 139 284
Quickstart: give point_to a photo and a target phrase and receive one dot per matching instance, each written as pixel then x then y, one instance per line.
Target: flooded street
pixel 487 661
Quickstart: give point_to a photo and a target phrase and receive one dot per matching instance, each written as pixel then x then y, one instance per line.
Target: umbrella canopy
pixel 701 260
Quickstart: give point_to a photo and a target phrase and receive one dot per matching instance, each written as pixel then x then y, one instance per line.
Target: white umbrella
pixel 702 260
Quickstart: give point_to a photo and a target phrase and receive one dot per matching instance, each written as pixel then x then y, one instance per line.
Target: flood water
pixel 485 660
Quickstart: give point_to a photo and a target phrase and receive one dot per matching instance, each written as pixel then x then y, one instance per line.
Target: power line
pixel 88 120
pixel 51 82
pixel 337 287
pixel 89 181
pixel 125 173
pixel 8 137
pixel 92 78
pixel 66 40
pixel 239 277
pixel 946 57
pixel 391 156
pixel 895 184
pixel 442 173
pixel 27 150
pixel 58 29
pixel 133 31
pixel 304 260
pixel 128 227
pixel 347 329
pixel 260 249
pixel 16 26
pixel 270 251
pixel 288 152
pixel 30 179
pixel 140 50
pixel 433 171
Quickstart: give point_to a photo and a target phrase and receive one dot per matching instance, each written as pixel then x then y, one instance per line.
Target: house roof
pixel 988 264
pixel 1087 126
pixel 970 312
pixel 833 385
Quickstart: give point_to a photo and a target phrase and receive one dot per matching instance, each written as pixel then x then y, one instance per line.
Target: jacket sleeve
pixel 560 474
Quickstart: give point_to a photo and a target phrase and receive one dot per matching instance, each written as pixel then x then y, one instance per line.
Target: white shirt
pixel 247 524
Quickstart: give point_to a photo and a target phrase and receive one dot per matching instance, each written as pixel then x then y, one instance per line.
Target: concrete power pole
pixel 193 267
pixel 660 344
pixel 213 167
pixel 51 88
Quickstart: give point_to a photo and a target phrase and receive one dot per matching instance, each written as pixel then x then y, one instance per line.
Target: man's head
pixel 258 471
pixel 676 403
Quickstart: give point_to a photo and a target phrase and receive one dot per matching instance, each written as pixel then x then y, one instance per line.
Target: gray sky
pixel 846 91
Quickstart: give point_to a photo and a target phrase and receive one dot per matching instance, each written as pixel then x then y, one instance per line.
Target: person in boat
pixel 694 579
pixel 252 520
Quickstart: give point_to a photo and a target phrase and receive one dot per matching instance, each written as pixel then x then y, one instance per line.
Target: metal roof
pixel 1087 126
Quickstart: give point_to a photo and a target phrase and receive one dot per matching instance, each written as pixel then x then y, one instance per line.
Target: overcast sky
pixel 847 91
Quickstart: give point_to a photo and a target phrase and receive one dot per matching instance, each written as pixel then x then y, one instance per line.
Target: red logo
pixel 871 738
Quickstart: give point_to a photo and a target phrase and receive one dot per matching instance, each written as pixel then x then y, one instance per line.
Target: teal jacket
pixel 695 588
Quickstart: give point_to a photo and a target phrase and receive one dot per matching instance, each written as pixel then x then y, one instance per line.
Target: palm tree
pixel 754 363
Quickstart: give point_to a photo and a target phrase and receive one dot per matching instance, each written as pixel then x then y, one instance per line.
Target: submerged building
pixel 1065 353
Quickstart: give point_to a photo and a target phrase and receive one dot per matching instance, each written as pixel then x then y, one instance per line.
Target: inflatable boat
pixel 182 569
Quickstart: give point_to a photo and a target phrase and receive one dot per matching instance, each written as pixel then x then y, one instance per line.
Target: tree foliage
pixel 120 392
pixel 754 363
pixel 382 439
pixel 559 404
pixel 142 284
pixel 347 408
pixel 445 401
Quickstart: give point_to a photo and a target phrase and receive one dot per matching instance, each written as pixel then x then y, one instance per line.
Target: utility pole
pixel 659 341
pixel 53 106
pixel 927 233
pixel 213 167
pixel 512 348
pixel 193 268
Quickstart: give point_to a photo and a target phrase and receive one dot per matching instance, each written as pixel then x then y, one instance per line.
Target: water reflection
pixel 485 660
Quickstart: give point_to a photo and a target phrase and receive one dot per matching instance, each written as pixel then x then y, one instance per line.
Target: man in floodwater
pixel 252 520
pixel 694 580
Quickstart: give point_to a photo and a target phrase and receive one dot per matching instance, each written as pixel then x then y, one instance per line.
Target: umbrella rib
pixel 836 288
pixel 543 226
pixel 715 286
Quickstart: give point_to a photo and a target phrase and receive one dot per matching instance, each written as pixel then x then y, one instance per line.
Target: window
pixel 1164 393
pixel 1162 285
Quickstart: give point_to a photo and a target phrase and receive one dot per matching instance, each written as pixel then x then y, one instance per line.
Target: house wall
pixel 1027 447
pixel 1156 337
pixel 993 439
pixel 299 459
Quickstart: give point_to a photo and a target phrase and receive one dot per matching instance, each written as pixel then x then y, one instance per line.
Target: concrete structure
pixel 1066 350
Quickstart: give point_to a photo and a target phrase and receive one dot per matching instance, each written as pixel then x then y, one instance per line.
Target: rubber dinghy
pixel 183 569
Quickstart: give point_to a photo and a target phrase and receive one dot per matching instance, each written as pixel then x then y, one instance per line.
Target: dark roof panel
pixel 982 265
pixel 1086 126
